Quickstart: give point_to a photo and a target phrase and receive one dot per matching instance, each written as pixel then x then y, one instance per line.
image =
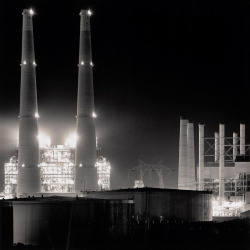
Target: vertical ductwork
pixel 235 141
pixel 201 156
pixel 28 180
pixel 191 159
pixel 216 147
pixel 86 176
pixel 242 139
pixel 183 158
pixel 222 163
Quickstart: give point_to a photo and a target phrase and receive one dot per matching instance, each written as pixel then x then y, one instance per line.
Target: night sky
pixel 154 61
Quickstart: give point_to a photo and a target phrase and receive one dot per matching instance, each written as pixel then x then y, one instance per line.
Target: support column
pixel 222 163
pixel 201 156
pixel 183 160
pixel 191 157
pixel 242 139
pixel 216 147
pixel 235 141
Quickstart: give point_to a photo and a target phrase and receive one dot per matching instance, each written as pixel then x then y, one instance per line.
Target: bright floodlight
pixel 24 62
pixel 71 141
pixel 37 115
pixel 82 63
pixel 44 141
pixel 94 115
pixel 89 12
pixel 31 12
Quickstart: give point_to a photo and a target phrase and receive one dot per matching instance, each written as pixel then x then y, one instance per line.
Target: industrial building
pixel 37 166
pixel 80 179
pixel 223 168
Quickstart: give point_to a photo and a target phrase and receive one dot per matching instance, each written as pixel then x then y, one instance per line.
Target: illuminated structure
pixel 10 179
pixel 85 172
pixel 57 169
pixel 103 173
pixel 28 180
pixel 57 164
pixel 69 168
pixel 223 168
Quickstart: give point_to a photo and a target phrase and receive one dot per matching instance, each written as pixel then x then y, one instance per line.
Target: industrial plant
pixel 45 183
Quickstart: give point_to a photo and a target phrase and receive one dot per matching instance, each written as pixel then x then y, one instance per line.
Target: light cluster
pixel 103 173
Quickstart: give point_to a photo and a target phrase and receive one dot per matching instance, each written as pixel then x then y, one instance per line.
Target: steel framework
pixel 143 169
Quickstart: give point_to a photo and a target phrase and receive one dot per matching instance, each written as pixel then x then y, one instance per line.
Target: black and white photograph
pixel 124 124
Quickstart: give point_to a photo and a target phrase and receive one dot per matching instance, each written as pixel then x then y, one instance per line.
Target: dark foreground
pixel 172 235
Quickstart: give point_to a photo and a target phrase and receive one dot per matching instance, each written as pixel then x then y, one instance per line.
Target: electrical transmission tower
pixel 143 169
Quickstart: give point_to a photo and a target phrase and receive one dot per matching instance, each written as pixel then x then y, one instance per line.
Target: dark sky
pixel 154 61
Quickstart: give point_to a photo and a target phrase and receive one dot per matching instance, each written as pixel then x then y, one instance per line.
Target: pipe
pixel 28 179
pixel 201 156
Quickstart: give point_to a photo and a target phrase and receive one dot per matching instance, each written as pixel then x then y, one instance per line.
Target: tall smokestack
pixel 183 156
pixel 191 159
pixel 28 180
pixel 86 175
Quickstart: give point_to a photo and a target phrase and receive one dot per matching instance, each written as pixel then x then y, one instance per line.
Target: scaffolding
pixel 103 173
pixel 57 169
pixel 10 178
pixel 224 169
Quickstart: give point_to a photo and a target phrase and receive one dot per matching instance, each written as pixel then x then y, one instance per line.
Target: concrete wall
pixel 171 204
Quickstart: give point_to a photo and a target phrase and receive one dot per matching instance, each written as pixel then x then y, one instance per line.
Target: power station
pixel 45 183
pixel 223 167
pixel 39 167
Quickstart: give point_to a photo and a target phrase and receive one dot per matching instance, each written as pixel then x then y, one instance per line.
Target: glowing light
pixel 91 63
pixel 94 115
pixel 31 12
pixel 37 115
pixel 24 62
pixel 44 141
pixel 103 173
pixel 89 12
pixel 82 63
pixel 80 165
pixel 34 63
pixel 23 165
pixel 71 141
pixel 227 208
